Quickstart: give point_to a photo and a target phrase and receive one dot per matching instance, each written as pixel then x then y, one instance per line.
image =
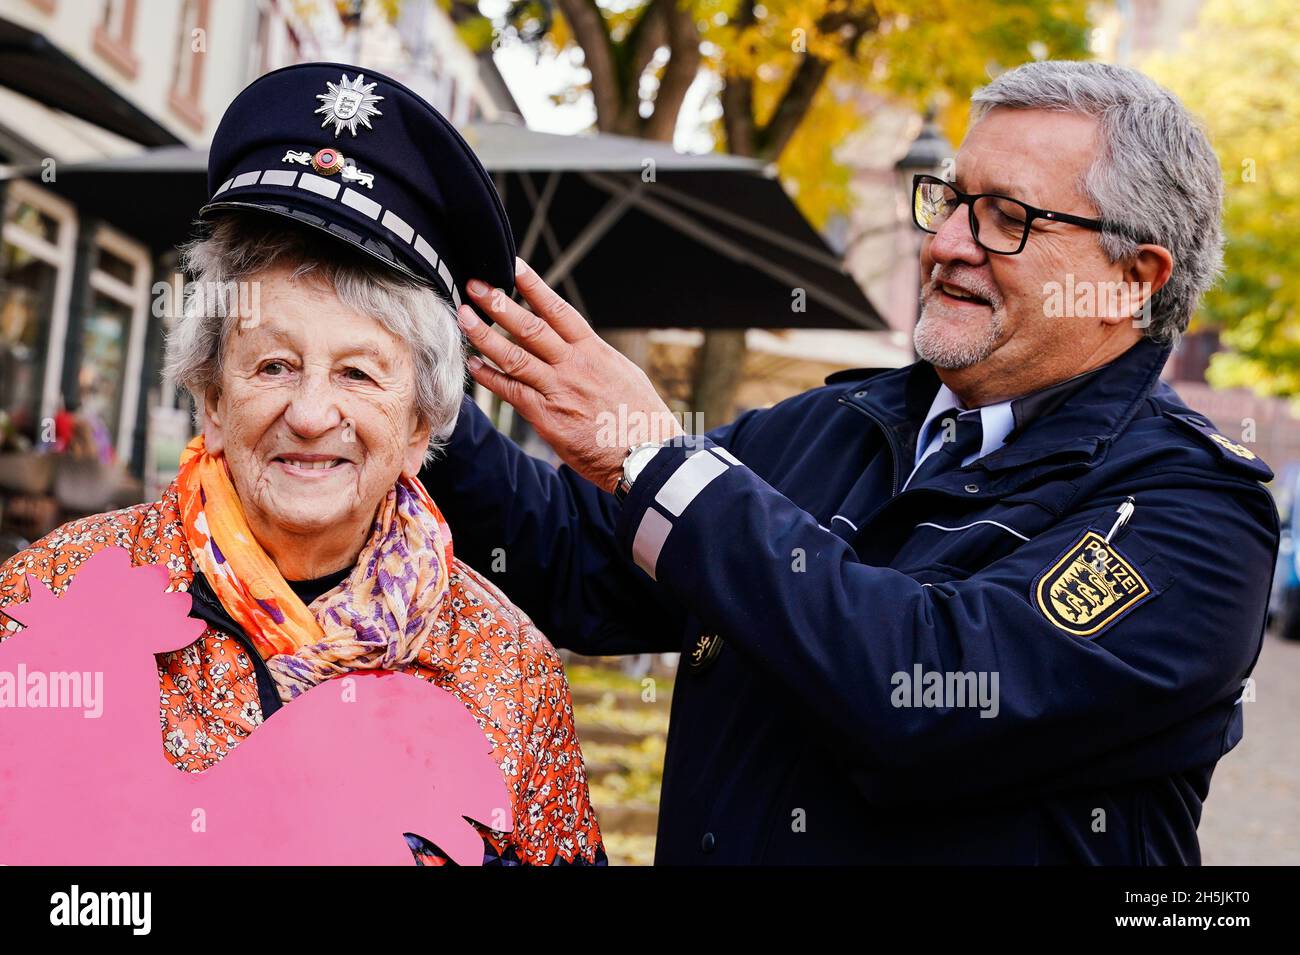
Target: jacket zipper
pixel 894 450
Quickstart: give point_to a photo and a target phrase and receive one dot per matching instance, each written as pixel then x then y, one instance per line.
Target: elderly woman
pixel 324 375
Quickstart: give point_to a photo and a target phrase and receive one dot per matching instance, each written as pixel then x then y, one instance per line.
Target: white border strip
pixel 321 186
pixel 685 484
pixel 651 534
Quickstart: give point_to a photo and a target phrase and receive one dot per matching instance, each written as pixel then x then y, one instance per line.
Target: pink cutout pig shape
pixel 331 778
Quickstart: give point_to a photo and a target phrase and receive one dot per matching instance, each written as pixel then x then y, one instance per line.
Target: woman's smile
pixel 311 466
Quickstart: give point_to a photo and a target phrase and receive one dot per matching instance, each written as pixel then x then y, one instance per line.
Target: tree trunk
pixel 720 362
pixel 632 342
pixel 721 359
pixel 722 356
pixel 719 365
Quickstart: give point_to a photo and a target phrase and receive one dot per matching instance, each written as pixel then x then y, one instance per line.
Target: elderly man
pixel 996 606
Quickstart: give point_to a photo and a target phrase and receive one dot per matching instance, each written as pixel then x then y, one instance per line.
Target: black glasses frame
pixel 1032 213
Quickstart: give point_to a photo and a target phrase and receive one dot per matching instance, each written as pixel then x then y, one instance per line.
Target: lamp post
pixel 930 152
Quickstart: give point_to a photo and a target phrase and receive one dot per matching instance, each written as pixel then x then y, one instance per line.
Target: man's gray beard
pixel 945 353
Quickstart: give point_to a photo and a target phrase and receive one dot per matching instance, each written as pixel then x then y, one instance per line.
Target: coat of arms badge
pixel 348 103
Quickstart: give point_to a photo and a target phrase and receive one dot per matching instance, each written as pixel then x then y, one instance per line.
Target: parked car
pixel 1284 604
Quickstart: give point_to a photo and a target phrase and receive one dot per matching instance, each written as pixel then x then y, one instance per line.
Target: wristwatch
pixel 634 462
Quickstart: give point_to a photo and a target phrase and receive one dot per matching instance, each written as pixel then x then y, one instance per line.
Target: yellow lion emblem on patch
pixel 1089 587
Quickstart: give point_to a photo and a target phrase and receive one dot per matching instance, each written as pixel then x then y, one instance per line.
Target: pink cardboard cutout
pixel 322 781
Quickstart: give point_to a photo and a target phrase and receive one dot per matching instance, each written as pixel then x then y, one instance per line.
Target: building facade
pixel 81 318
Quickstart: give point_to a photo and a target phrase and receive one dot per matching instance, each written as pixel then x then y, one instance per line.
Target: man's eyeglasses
pixel 999 224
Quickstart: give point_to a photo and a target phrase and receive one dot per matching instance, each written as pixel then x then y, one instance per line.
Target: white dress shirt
pixel 996 422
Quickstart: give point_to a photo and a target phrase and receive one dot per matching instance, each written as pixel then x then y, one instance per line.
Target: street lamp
pixel 929 153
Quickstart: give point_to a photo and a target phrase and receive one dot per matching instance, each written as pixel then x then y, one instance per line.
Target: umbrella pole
pixel 540 225
pixel 604 220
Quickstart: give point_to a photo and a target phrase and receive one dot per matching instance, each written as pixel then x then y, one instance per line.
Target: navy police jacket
pixel 982 668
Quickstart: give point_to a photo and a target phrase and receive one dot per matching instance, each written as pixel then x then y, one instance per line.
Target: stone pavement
pixel 1252 815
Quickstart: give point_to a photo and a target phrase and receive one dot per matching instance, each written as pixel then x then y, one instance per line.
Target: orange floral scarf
pixel 378 618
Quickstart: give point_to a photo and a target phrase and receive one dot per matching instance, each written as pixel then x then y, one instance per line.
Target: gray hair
pixel 240 246
pixel 1156 173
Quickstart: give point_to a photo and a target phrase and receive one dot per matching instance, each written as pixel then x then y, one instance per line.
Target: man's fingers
pixel 502 385
pixel 528 329
pixel 508 356
pixel 546 302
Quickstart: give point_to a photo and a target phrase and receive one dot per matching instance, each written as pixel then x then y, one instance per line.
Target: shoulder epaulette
pixel 1232 454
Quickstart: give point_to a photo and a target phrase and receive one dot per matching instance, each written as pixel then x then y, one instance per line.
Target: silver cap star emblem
pixel 347 103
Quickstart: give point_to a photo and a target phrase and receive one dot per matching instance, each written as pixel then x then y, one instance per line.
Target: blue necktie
pixel 962 437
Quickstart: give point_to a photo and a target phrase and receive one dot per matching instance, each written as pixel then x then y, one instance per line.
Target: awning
pixel 33 66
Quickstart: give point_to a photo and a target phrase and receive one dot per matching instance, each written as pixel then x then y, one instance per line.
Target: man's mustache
pixel 970 282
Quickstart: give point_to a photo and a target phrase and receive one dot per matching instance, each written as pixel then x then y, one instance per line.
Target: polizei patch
pixel 1089 587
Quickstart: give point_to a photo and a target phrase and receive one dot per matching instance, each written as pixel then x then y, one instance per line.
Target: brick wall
pixel 1276 425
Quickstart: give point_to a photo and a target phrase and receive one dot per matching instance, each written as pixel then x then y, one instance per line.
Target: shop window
pixel 35 221
pixel 116 267
pixel 112 342
pixel 26 304
pixel 103 366
pixel 35 270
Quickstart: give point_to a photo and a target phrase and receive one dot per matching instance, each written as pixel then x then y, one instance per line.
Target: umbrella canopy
pixel 635 234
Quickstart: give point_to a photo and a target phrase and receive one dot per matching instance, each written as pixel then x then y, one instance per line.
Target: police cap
pixel 358 155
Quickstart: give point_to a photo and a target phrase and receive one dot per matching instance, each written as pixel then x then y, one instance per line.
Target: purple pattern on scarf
pixel 392 571
pixel 270 607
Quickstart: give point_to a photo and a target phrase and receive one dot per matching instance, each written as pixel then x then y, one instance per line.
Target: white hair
pixel 1155 174
pixel 240 246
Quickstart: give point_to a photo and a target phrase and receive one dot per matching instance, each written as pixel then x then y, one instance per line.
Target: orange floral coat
pixel 484 650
